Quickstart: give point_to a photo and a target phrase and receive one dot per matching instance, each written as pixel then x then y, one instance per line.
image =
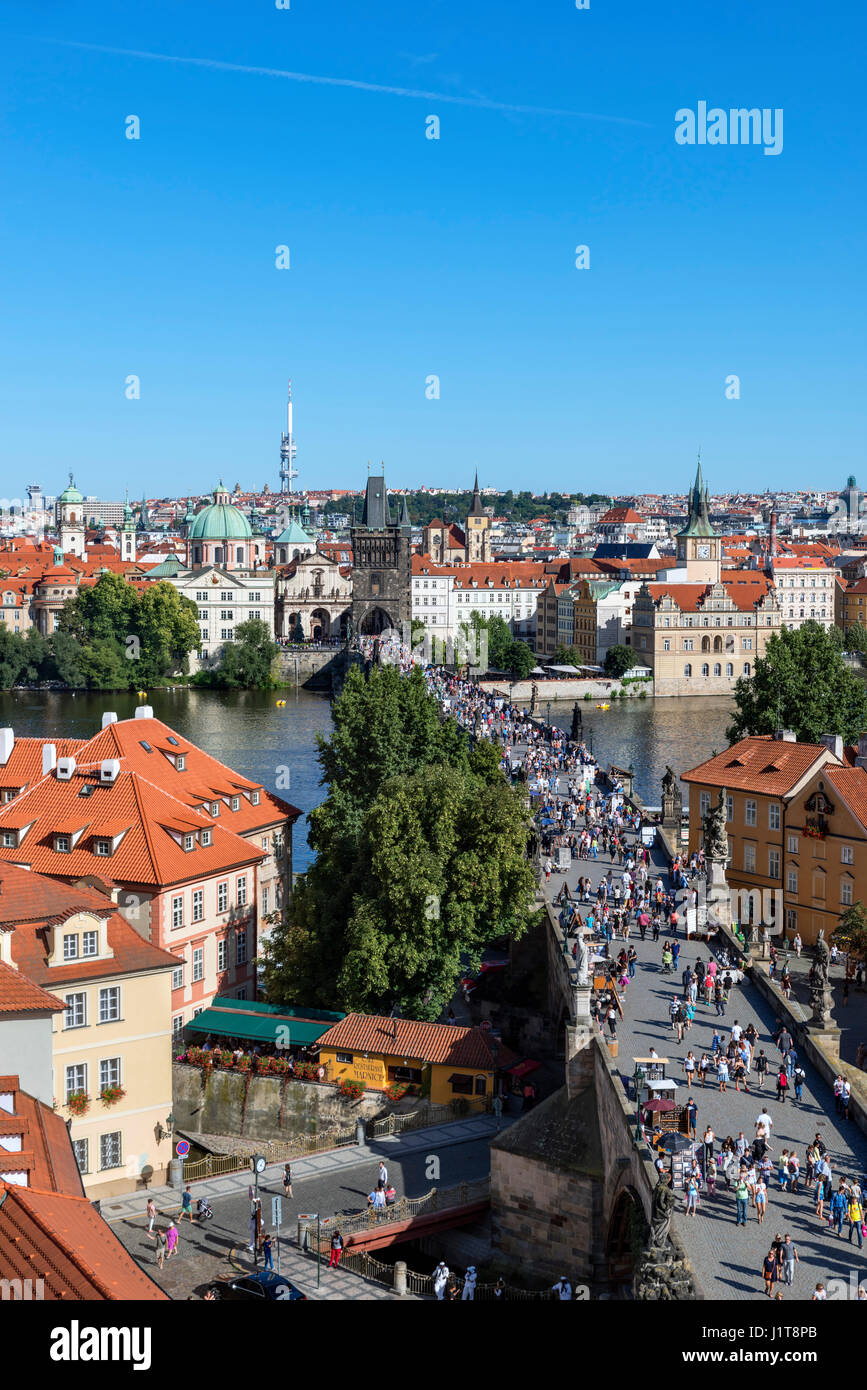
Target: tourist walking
pixel 336 1250
pixel 856 1218
pixel 151 1213
pixel 162 1245
pixel 267 1253
pixel 287 1179
pixel 469 1290
pixel 171 1240
pixel 186 1205
pixel 742 1196
pixel 790 1255
pixel 769 1271
pixel 440 1280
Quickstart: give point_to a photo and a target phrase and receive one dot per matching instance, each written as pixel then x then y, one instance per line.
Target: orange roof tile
pixel 441 1043
pixel 762 764
pixel 19 995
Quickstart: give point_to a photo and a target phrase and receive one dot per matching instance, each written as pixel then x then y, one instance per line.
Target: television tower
pixel 287 451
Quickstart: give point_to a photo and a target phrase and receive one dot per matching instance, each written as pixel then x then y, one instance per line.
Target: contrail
pixel 356 85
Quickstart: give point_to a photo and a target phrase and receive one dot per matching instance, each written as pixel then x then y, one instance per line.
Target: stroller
pixel 203 1211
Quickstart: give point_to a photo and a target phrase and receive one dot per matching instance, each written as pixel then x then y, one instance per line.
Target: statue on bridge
pixel 820 990
pixel 577 730
pixel 716 845
pixel 582 958
pixel 660 1213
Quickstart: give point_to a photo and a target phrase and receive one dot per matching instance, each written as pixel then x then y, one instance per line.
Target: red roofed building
pixel 54 1244
pixel 193 854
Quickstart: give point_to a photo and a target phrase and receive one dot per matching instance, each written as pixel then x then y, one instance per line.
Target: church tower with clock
pixel 698 544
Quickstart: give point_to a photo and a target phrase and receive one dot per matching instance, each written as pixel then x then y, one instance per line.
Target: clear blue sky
pixel 412 257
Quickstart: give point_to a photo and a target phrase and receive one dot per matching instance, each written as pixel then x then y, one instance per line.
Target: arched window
pixel 717 670
pixel 239 554
pixel 717 644
pixel 705 644
pixel 705 670
pixel 687 670
pixel 730 670
pixel 746 668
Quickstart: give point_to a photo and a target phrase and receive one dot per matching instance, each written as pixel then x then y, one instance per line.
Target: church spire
pixel 476 507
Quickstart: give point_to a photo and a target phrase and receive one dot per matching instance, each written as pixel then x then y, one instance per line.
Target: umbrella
pixel 658 1105
pixel 675 1143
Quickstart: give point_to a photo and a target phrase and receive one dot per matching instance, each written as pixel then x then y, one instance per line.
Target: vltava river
pixel 247 731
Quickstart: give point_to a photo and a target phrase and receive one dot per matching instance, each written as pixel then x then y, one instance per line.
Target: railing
pixel 433 1115
pixel 421 1285
pixel 406 1209
pixel 274 1150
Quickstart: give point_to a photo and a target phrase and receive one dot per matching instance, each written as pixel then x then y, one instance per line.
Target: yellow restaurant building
pixel 446 1062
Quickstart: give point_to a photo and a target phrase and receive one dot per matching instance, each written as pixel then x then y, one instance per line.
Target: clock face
pixel 703 552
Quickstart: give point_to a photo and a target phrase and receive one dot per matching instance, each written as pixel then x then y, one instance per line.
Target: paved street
pixel 329 1183
pixel 727 1258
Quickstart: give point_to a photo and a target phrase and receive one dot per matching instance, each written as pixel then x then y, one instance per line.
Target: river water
pixel 247 730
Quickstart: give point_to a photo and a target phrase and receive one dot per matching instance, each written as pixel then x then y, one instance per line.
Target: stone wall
pixel 276 1108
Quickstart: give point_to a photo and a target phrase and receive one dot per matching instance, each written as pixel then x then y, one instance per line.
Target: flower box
pixel 78 1102
pixel 110 1095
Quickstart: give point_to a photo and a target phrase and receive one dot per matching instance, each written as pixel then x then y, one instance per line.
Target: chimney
pixel 145 712
pixel 835 743
pixel 773 541
pixel 65 769
pixel 7 743
pixel 786 735
pixel 49 758
pixel 109 718
pixel 109 770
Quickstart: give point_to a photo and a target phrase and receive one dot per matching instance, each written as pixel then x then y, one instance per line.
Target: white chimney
pixel 861 760
pixel 109 769
pixel 65 769
pixel 109 718
pixel 49 758
pixel 834 742
pixel 7 743
pixel 145 712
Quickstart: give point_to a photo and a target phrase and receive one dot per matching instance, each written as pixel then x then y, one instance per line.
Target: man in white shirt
pixel 765 1120
pixel 563 1289
pixel 736 1032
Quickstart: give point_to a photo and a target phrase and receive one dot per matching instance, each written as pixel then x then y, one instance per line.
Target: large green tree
pixel 124 638
pixel 420 859
pixel 851 933
pixel 618 660
pixel 245 663
pixel 801 683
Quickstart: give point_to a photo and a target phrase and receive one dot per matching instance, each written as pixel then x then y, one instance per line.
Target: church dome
pixel 220 522
pixel 71 493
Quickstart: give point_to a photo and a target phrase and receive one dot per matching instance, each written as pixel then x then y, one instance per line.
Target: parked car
pixel 257 1288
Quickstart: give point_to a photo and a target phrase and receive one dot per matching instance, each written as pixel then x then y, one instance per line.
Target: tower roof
pixel 71 493
pixel 698 522
pixel 376 515
pixel 476 509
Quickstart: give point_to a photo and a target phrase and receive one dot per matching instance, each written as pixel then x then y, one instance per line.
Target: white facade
pixel 225 599
pixel 805 591
pixel 443 598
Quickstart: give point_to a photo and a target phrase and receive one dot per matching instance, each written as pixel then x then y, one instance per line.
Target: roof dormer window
pixel 236 803
pixel 215 808
pixel 254 799
pixel 62 844
pixel 102 847
pixel 10 839
pixel 189 842
pixel 206 837
pixel 181 762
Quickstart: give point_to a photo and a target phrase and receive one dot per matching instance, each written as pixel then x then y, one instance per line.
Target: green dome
pixel 71 493
pixel 220 522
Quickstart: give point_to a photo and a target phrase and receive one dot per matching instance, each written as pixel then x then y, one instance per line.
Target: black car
pixel 257 1288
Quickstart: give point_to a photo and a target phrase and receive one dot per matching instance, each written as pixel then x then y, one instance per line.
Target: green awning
pixel 256 1006
pixel 293 1032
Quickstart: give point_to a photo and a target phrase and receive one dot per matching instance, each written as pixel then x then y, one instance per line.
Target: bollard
pixel 400 1278
pixel 176 1173
pixel 360 1131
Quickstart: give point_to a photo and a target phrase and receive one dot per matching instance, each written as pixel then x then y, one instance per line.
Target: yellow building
pixel 852 605
pixel 111 1045
pixel 444 1061
pixel 796 820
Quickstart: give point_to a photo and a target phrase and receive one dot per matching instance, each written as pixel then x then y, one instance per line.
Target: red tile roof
pixel 63 1240
pixel 18 995
pixel 440 1043
pixel 130 954
pixel 851 783
pixel 769 766
pixel 46 1155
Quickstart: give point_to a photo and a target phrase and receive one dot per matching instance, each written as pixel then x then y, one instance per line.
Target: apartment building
pixel 193 854
pixel 805 590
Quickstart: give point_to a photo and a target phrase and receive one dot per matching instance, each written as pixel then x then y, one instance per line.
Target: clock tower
pixel 698 544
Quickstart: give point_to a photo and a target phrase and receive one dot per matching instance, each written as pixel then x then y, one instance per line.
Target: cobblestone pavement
pixel 727 1258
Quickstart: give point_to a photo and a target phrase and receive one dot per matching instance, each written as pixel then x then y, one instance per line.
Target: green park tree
pixel 856 639
pixel 801 683
pixel 851 934
pixel 618 660
pixel 246 663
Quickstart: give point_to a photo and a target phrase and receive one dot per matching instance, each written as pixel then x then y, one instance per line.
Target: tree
pixel 801 683
pixel 420 858
pixel 618 660
pixel 856 639
pixel 124 638
pixel 851 933
pixel 245 663
pixel 519 660
pixel 569 656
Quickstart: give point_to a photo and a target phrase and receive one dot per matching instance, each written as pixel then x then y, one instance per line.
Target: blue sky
pixel 412 257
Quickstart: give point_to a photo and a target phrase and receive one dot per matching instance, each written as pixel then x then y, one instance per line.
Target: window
pixel 177 912
pixel 750 859
pixel 215 809
pixel 61 844
pixel 730 670
pixel 198 963
pixel 9 839
pixel 178 977
pixel 109 1004
pixel 746 668
pixel 76 1078
pixel 181 762
pixel 227 634
pixel 242 891
pixel 774 816
pixel 102 847
pixel 90 943
pixel 345 1057
pixel 791 919
pixel 76 1011
pixel 109 1072
pixel 254 798
pixel 79 1148
pixel 222 897
pixel 749 812
pixel 265 843
pixel 846 892
pixel 792 845
pixel 687 670
pixel 236 802
pixel 791 880
pixel 206 838
pixel 687 644
pixel 717 670
pixel 773 863
pixel 177 1026
pixel 110 1150
pixel 227 615
pixel 704 804
pixel 241 943
pixel 847 854
pixel 461 1085
pixel 198 904
pixel 747 644
pixel 70 946
pixel 221 954
pixel 666 644
pixel 189 841
pixel 705 670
